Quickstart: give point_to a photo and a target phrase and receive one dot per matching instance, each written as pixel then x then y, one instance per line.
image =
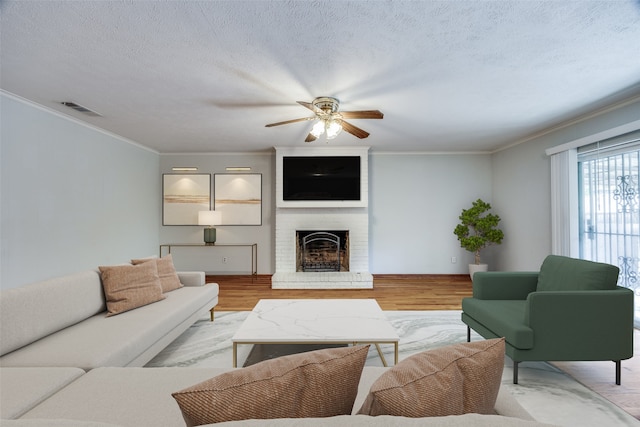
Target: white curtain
pixel 564 203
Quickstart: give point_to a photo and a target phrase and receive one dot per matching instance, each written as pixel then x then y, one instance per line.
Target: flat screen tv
pixel 320 178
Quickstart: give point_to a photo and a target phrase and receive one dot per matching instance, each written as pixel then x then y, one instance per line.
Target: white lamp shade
pixel 209 218
pixel 318 129
pixel 333 129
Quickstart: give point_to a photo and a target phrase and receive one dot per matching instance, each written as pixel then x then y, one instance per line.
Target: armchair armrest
pixel 191 278
pixel 582 325
pixel 503 285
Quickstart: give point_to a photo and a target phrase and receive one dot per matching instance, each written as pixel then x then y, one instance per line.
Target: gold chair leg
pixel 211 312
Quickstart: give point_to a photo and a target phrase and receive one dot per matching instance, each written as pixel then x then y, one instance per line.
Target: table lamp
pixel 209 218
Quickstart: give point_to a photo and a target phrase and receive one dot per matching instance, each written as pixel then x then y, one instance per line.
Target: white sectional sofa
pixel 62 322
pixel 53 331
pixel 142 397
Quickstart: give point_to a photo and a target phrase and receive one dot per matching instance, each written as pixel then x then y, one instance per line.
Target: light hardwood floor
pixel 393 292
pixel 434 292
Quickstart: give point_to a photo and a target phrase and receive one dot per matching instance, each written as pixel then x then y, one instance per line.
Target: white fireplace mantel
pixel 355 219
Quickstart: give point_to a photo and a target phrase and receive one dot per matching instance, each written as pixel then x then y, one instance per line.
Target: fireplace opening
pixel 322 250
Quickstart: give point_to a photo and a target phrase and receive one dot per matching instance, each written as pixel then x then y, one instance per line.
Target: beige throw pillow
pixel 451 380
pixel 320 383
pixel 169 279
pixel 130 286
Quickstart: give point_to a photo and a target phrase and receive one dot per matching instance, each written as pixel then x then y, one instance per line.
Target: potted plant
pixel 478 229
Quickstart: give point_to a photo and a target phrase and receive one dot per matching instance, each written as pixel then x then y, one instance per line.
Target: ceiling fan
pixel 330 120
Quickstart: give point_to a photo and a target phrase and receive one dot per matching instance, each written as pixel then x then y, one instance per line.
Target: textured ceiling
pixel 206 76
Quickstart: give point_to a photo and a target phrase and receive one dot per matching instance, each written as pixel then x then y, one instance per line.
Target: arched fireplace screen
pixel 322 251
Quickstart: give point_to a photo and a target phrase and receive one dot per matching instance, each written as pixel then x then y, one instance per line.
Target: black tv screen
pixel 321 178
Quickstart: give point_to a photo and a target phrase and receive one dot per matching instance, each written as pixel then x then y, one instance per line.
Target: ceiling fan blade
pixel 353 130
pixel 308 105
pixel 365 114
pixel 310 138
pixel 289 121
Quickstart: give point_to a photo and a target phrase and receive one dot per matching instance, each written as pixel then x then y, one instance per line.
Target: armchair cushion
pixel 559 273
pixel 505 318
pixel 504 285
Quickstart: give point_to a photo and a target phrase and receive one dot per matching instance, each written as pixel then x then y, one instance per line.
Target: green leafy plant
pixel 478 228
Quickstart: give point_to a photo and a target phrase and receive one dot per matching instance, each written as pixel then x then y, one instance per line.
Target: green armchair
pixel 571 310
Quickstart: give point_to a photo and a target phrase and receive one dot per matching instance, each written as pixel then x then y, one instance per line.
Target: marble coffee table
pixel 316 321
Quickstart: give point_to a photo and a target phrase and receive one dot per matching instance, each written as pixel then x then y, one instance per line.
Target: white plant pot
pixel 473 268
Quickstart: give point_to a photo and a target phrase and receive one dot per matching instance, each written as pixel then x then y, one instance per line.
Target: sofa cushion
pixel 31 312
pixel 320 383
pixel 475 420
pixel 130 286
pixel 124 396
pixel 106 396
pixel 505 318
pixel 451 380
pixel 60 422
pixel 166 272
pixel 559 273
pixel 24 388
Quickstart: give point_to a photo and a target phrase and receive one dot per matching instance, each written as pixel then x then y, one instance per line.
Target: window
pixel 609 207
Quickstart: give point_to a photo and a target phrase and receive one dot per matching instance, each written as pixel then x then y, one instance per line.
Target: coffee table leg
pixel 235 355
pixel 396 351
pixel 384 361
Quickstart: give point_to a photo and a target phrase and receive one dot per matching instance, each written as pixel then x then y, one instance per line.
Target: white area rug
pixel 547 393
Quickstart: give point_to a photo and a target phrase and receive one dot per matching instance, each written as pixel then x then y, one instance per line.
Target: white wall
pixel 521 194
pixel 522 188
pixel 72 197
pixel 414 204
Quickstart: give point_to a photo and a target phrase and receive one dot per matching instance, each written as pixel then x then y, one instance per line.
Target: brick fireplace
pixel 349 217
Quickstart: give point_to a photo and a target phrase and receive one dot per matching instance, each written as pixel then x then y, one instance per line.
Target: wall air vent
pixel 80 108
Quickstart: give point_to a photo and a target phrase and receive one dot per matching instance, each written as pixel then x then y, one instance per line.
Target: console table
pixel 253 246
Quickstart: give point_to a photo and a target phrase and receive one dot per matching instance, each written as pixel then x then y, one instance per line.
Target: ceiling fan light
pixel 333 129
pixel 318 128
